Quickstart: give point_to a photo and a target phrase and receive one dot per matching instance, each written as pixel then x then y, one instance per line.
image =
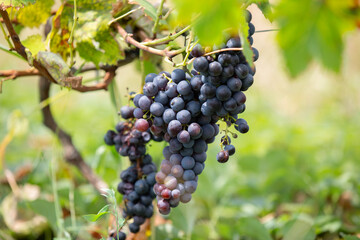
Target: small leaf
pixel 94 217
pixel 104 209
pixel 34 43
pixel 55 65
pixel 36 14
pixel 149 9
pixel 4 4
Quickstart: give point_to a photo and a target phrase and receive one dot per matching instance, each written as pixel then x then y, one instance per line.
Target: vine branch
pixel 19 47
pixel 71 154
pixel 129 39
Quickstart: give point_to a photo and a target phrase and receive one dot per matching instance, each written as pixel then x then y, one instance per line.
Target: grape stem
pixel 129 39
pixel 158 17
pixel 71 38
pixel 124 15
pixel 166 39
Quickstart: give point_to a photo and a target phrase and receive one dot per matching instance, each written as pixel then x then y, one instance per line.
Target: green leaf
pixel 300 228
pixel 46 209
pixel 55 65
pixel 95 217
pixel 265 8
pixel 210 18
pixel 319 34
pixel 36 14
pixel 34 43
pixel 149 9
pixel 251 227
pixel 244 32
pixel 4 4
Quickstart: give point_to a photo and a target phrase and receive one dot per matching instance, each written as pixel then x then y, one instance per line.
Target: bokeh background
pixel 295 174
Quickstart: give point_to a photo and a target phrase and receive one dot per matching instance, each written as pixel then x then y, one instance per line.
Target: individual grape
pixel 162 98
pixel 230 105
pixel 166 193
pixel 201 64
pixel 160 177
pixel 109 137
pixel 251 29
pixel 134 228
pixel 256 54
pixel 175 159
pixel 169 115
pixel 233 43
pixel 194 107
pixel 188 175
pixel 248 15
pixel 198 168
pixel 165 166
pixel 144 103
pixel 241 71
pixel 215 68
pixel 214 104
pixel 227 72
pixel 200 146
pixel 223 93
pixel 157 109
pixel 222 156
pixel 224 59
pixel 175 145
pixel 183 136
pixel 171 90
pixel 197 51
pixel 161 82
pixel 239 97
pixel 166 152
pixel 170 182
pixel 208 90
pixel 251 40
pixel 150 89
pixel 185 198
pixel 150 77
pixel 230 149
pixel 141 187
pixel 184 88
pixel 178 75
pixel 207 110
pixel 163 205
pixel 234 84
pixel 189 97
pixel 150 178
pixel 138 113
pixel 133 196
pixel 139 220
pixel 188 163
pixel 174 127
pixel 183 116
pixel 158 121
pixel 208 131
pixel 200 157
pixel 175 193
pixel 177 171
pixel 141 125
pixel 190 186
pixel 247 82
pixel 196 83
pixel 195 130
pixel 127 112
pixel 241 126
pixel 148 168
pixel 177 104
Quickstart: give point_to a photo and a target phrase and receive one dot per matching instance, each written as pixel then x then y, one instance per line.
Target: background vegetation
pixel 294 175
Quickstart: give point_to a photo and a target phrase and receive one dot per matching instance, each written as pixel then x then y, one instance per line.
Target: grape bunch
pixel 183 109
pixel 137 180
